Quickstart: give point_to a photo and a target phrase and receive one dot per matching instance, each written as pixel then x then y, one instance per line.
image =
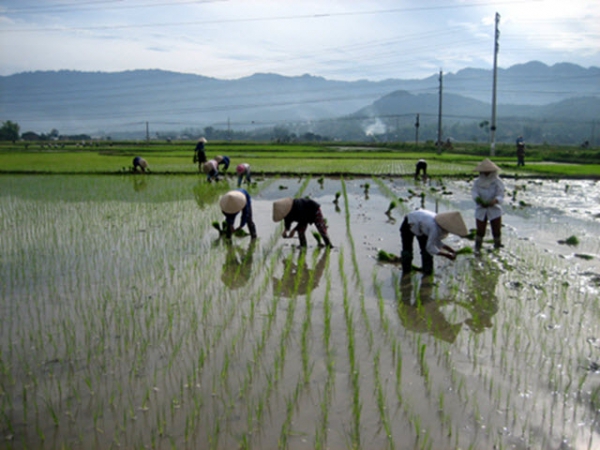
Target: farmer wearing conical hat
pixel 140 164
pixel 430 229
pixel 488 194
pixel 243 171
pixel 224 161
pixel 231 204
pixel 421 166
pixel 211 170
pixel 199 153
pixel 304 211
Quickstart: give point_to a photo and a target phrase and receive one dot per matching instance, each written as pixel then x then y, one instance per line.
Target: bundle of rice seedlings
pixel 384 256
pixel 391 207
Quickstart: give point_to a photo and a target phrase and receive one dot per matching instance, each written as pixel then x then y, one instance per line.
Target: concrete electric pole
pixel 493 126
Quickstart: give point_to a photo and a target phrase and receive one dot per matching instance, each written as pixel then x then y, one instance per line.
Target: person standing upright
pixel 200 153
pixel 488 194
pixel 520 151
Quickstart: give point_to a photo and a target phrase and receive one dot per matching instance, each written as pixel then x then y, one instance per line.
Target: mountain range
pixel 100 103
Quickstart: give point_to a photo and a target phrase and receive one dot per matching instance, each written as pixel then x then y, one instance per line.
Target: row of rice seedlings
pixel 90 380
pixel 272 376
pixel 328 388
pixel 354 363
pixel 357 272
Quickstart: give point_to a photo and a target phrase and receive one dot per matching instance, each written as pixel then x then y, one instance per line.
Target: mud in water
pixel 129 322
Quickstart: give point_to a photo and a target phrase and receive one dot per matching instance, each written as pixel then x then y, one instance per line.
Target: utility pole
pixel 147 132
pixel 439 133
pixel 417 124
pixel 493 127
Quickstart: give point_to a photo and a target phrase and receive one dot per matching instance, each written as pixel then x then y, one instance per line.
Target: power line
pixel 273 18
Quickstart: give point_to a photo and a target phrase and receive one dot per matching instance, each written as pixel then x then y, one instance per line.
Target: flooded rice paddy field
pixel 127 322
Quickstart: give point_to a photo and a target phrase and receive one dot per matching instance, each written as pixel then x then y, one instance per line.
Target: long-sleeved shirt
pixel 488 191
pixel 422 223
pixel 246 211
pixel 304 211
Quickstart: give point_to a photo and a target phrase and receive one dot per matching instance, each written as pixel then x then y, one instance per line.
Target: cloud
pixel 335 39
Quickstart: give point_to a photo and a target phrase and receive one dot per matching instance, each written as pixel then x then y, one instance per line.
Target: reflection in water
pixel 297 278
pixel 481 300
pixel 207 193
pixel 237 267
pixel 419 308
pixel 140 183
pixel 421 313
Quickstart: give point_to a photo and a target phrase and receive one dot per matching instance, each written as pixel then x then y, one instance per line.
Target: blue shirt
pixel 246 212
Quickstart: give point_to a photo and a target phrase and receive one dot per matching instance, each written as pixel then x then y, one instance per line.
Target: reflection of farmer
pixel 243 171
pixel 224 161
pixel 140 164
pixel 199 153
pixel 140 183
pixel 231 204
pixel 423 314
pixel 482 300
pixel 304 211
pixel 421 167
pixel 520 151
pixel 297 278
pixel 206 194
pixel 237 267
pixel 430 229
pixel 211 170
pixel 488 193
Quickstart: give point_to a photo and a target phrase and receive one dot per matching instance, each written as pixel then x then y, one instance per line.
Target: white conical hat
pixel 486 166
pixel 202 139
pixel 232 202
pixel 209 165
pixel 282 208
pixel 452 222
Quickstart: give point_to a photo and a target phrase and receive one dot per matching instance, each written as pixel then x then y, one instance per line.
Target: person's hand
pixel 284 234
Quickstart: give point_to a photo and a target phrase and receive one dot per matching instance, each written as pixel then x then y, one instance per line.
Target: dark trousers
pixel 407 238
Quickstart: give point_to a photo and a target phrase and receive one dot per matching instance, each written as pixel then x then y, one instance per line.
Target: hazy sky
pixel 336 39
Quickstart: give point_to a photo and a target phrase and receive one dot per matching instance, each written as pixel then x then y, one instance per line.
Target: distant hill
pixel 462 109
pixel 96 102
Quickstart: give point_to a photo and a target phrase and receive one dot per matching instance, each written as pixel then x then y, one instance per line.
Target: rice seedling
pixel 117 313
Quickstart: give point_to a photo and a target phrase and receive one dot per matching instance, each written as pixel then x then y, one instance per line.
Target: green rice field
pixel 127 322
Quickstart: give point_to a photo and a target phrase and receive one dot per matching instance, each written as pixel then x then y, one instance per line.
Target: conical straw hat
pixel 486 166
pixel 202 139
pixel 282 208
pixel 452 222
pixel 218 158
pixel 232 202
pixel 209 165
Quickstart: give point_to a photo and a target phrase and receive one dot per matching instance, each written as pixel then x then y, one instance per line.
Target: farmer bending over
pixel 304 211
pixel 421 167
pixel 223 160
pixel 231 204
pixel 211 170
pixel 243 171
pixel 430 229
pixel 140 163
